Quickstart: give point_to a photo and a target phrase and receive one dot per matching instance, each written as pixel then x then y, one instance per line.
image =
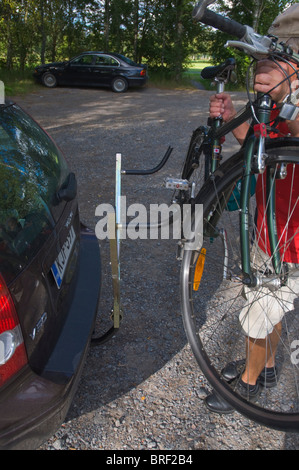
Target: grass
pixel 163 79
pixel 17 83
pixel 198 65
pixel 194 70
pixel 193 73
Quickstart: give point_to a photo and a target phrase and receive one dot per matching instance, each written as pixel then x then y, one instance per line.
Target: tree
pixel 106 23
pixel 160 32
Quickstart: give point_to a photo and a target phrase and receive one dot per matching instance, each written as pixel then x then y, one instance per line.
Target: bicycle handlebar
pixel 210 18
pixel 250 42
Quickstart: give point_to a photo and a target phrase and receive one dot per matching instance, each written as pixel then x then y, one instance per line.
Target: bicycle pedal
pixel 176 183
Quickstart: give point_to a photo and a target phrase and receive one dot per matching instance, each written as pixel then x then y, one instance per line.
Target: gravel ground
pixel 142 390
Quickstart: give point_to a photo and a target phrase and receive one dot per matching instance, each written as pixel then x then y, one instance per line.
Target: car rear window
pixel 127 60
pixel 32 169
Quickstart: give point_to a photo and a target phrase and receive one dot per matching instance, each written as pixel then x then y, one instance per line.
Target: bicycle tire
pixel 211 316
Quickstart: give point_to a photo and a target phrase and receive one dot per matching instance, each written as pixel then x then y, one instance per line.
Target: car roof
pixel 8 102
pixel 97 52
pixel 120 57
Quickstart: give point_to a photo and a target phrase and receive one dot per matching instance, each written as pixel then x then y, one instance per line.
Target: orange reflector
pixel 200 263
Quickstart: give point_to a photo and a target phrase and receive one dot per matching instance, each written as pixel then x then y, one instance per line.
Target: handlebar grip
pixel 220 22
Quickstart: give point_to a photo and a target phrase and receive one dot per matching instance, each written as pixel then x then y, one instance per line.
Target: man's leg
pixel 260 354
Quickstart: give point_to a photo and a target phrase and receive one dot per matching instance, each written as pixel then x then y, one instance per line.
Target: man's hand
pixel 221 105
pixel 270 75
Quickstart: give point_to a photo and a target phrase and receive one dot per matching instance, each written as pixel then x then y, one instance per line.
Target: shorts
pixel 266 307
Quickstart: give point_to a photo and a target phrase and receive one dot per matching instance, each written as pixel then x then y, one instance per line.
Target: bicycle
pixel 228 260
pixel 230 256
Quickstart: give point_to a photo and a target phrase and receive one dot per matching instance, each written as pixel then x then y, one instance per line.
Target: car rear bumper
pixel 137 81
pixel 35 407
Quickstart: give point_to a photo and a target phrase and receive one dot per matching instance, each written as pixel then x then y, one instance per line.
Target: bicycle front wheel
pixel 224 320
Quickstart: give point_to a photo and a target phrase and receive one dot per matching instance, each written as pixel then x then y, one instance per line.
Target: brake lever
pixel 253 44
pixel 257 53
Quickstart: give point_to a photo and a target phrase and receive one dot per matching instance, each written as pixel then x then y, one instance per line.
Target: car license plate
pixel 59 266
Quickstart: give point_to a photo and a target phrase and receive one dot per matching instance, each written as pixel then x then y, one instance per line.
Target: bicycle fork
pixel 257 164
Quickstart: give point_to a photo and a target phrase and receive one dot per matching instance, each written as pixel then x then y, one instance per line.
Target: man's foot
pixel 217 404
pixel 268 378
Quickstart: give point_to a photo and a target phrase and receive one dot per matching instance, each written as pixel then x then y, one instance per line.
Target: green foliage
pixel 158 32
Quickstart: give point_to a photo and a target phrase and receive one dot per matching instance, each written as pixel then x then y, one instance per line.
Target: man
pixel 262 321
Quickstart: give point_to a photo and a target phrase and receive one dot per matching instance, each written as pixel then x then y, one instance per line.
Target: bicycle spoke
pixel 222 313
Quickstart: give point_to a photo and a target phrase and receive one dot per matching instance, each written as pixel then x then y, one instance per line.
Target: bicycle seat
pixel 221 72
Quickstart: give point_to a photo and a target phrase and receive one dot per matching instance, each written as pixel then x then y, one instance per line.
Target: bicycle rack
pixel 114 228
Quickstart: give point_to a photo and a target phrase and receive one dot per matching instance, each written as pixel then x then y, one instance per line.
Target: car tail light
pixel 12 350
pixel 143 73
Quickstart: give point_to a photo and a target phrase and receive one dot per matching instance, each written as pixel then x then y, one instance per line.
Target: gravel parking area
pixel 142 390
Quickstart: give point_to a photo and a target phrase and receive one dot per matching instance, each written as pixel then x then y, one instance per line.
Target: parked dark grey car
pixel 49 283
pixel 94 69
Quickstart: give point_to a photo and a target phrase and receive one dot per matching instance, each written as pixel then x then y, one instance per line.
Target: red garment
pixel 287 207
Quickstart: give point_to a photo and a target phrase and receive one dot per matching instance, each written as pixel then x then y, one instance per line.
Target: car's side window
pixel 106 60
pixel 83 60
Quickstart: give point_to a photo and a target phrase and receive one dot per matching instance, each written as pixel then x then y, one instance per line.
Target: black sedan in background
pixel 49 283
pixel 94 69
